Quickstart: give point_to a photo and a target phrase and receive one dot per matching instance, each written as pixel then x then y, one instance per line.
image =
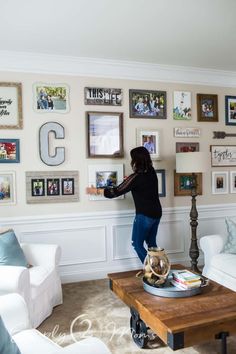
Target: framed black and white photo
pixel 220 183
pixel 105 134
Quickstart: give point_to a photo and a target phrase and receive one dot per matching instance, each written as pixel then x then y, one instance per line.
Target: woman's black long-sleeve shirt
pixel 144 189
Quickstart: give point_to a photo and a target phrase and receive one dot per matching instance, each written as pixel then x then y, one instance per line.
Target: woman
pixel 143 185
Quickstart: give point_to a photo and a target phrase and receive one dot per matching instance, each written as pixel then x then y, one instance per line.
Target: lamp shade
pixel 190 162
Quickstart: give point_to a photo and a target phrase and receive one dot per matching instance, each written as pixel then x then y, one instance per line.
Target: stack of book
pixel 184 279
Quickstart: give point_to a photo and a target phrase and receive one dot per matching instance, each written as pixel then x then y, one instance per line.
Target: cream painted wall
pixel 75 141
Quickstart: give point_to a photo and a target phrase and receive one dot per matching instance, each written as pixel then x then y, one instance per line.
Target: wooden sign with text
pixel 102 96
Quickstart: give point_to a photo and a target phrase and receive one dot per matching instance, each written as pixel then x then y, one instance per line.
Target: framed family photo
pixel 7 188
pixel 161 176
pixel 223 155
pixel 230 110
pixel 220 182
pixel 147 104
pixel 183 183
pixel 9 151
pixel 51 186
pixel 102 176
pixel 51 98
pixel 105 134
pixel 207 108
pixel 11 105
pixel 182 109
pixel 187 147
pixel 150 139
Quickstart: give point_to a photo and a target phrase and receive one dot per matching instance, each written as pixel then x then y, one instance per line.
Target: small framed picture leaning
pixel 147 104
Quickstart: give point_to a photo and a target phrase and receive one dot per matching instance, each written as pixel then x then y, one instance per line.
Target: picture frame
pixel 103 96
pixel 183 182
pixel 189 132
pixel 232 182
pixel 182 107
pixel 147 104
pixel 161 176
pixel 11 105
pixel 105 134
pixel 7 188
pixel 187 147
pixel 9 150
pixel 223 155
pixel 150 139
pixel 220 182
pixel 105 175
pixel 230 110
pixel 51 186
pixel 50 98
pixel 207 107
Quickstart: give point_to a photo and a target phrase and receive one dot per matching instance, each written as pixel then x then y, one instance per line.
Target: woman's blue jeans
pixel 144 230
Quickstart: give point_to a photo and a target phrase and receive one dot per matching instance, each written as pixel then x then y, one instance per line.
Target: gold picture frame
pixel 11 105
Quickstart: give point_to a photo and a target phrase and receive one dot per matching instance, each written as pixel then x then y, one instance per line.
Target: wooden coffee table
pixel 178 322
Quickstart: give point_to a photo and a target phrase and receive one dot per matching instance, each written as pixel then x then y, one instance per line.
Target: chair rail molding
pixel 94 244
pixel 107 68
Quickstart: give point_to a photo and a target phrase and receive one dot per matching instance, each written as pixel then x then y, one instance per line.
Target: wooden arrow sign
pixel 222 135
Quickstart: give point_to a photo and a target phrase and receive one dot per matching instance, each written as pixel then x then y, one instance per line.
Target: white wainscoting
pixel 99 243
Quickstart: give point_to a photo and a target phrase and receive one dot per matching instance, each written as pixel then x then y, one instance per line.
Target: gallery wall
pixel 75 141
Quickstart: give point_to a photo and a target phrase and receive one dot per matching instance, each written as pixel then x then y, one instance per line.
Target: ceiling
pixel 193 33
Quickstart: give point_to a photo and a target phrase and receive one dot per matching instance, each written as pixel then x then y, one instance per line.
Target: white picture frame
pixel 59 98
pixel 99 174
pixel 150 139
pixel 182 108
pixel 220 184
pixel 232 182
pixel 7 188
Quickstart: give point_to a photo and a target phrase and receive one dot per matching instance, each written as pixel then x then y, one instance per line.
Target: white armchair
pixel 14 313
pixel 39 285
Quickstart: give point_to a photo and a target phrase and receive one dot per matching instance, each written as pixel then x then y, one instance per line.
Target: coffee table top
pixel 199 317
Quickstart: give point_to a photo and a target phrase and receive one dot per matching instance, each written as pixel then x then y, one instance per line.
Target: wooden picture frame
pixel 51 98
pixel 161 175
pixel 207 108
pixel 11 105
pixel 7 188
pixel 51 186
pixel 187 147
pixel 182 184
pixel 9 150
pixel 223 155
pixel 103 96
pixel 150 139
pixel 147 104
pixel 182 107
pixel 105 175
pixel 230 110
pixel 105 134
pixel 220 183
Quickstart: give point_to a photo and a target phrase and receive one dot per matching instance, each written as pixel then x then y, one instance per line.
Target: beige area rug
pixel 91 309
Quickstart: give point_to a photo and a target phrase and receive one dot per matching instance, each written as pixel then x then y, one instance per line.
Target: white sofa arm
pixel 86 346
pixel 15 279
pixel 211 245
pixel 14 313
pixel 42 254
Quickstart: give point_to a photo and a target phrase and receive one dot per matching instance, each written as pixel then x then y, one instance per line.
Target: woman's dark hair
pixel 140 159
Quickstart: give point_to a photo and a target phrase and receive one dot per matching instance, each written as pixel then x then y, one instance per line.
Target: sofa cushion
pixel 10 251
pixel 32 341
pixel 225 262
pixel 230 246
pixel 7 345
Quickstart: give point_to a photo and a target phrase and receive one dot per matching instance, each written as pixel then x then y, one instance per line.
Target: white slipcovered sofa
pixel 40 285
pixel 14 313
pixel 219 266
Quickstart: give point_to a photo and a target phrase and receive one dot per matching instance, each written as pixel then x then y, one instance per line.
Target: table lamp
pixel 192 163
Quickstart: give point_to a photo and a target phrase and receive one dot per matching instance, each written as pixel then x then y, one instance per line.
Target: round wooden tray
pixel 169 290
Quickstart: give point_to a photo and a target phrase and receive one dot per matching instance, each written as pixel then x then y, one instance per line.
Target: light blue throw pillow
pixel 230 246
pixel 10 251
pixel 7 345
